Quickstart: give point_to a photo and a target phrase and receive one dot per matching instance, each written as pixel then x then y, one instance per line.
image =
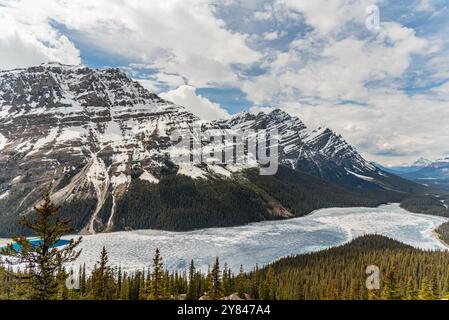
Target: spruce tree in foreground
pixel 103 278
pixel 192 292
pixel 390 289
pixel 154 287
pixel 215 289
pixel 43 260
pixel 426 292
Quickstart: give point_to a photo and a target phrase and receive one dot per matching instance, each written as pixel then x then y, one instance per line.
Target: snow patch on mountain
pixel 146 176
pixel 360 176
pixel 190 170
pixel 4 194
pixel 219 170
pixel 3 141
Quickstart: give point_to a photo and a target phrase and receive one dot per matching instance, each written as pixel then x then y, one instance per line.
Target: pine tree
pixel 124 291
pixel 227 285
pixel 215 289
pixel 435 287
pixel 410 292
pixel 119 283
pixel 390 290
pixel 268 287
pixel 426 292
pixel 240 282
pixel 43 259
pixel 63 292
pixel 83 279
pixel 192 292
pixel 102 278
pixel 373 294
pixel 155 286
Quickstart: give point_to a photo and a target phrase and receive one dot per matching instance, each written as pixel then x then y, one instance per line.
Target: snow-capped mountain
pixel 100 142
pixel 421 163
pixel 424 171
pixel 407 168
pixel 431 172
pixel 89 126
pixel 320 151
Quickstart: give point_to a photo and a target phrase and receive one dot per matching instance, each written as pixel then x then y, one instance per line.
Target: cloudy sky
pixel 385 89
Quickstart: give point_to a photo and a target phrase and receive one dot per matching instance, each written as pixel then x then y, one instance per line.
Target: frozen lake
pixel 264 242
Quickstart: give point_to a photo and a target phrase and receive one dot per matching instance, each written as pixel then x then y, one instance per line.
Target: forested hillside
pixel 180 203
pixel 337 273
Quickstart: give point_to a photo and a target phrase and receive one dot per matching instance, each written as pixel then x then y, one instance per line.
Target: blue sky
pixel 386 90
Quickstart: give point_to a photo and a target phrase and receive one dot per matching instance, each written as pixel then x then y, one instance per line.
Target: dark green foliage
pixel 102 280
pixel 337 273
pixel 425 204
pixel 215 284
pixel 180 203
pixel 78 211
pixel 443 232
pixel 302 193
pixel 105 211
pixel 44 262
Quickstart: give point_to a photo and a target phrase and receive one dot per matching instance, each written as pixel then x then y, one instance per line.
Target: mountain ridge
pixel 92 135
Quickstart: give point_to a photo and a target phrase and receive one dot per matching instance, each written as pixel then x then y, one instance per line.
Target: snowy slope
pixel 87 134
pixel 318 151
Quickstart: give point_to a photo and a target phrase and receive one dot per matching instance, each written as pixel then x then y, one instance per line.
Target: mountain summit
pixel 100 143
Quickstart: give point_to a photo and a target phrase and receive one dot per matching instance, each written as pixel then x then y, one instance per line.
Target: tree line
pixel 336 273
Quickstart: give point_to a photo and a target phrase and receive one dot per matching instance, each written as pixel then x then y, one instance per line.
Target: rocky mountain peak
pixel 87 134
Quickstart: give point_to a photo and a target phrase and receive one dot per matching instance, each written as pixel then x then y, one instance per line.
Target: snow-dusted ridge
pixel 86 133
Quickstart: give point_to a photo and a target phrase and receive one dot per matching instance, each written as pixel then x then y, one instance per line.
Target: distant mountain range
pixel 100 143
pixel 425 171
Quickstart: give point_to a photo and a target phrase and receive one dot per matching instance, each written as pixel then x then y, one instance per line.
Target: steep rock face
pixel 101 144
pixel 83 131
pixel 320 151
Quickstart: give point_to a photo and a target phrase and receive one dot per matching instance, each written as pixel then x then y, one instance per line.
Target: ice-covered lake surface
pixel 264 242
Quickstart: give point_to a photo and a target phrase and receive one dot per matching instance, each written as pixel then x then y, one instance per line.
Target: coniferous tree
pixel 390 289
pixel 240 282
pixel 215 288
pixel 155 285
pixel 425 292
pixel 119 283
pixel 227 283
pixel 102 278
pixel 268 287
pixel 83 280
pixel 410 292
pixel 43 259
pixel 373 294
pixel 192 291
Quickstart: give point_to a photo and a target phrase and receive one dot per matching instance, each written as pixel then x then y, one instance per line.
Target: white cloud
pixel 320 75
pixel 200 106
pixel 442 90
pixel 424 5
pixel 148 84
pixel 327 16
pixel 263 15
pixel 271 35
pixel 337 69
pixel 352 84
pixel 258 109
pixel 25 43
pixel 187 40
pixel 391 128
